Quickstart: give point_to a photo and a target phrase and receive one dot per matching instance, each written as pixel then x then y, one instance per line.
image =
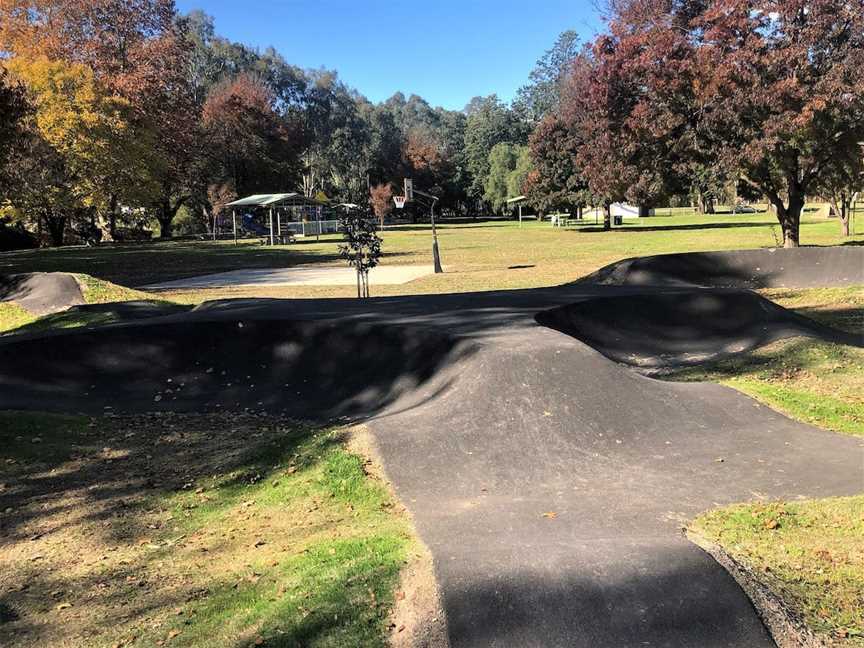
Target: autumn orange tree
pixel 133 53
pixel 85 130
pixel 251 147
pixel 381 200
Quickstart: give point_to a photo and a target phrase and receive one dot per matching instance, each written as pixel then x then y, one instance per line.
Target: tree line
pixel 116 116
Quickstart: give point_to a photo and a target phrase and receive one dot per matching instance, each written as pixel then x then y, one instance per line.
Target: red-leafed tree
pixel 381 200
pixel 251 146
pixel 422 157
pixel 700 90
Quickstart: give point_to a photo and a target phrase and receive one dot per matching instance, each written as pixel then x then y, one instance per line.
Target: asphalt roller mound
pixel 551 485
pixel 41 293
pixel 304 369
pixel 813 267
pixel 660 330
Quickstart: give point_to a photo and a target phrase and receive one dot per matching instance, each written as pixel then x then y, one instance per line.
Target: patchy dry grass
pixel 809 553
pixel 841 308
pixel 191 531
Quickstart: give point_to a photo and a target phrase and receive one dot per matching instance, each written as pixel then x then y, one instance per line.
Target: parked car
pixel 743 209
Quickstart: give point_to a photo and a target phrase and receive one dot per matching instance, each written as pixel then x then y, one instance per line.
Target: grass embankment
pixel 811 554
pixel 95 291
pixel 815 382
pixel 192 531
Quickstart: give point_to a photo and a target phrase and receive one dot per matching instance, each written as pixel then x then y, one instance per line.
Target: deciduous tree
pixel 251 147
pixel 763 90
pixel 381 200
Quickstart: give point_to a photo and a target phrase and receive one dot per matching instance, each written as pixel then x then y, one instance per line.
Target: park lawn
pixel 809 553
pixel 479 256
pixel 192 530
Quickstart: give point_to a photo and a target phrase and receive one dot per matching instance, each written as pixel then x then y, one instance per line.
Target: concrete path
pixel 550 483
pixel 299 276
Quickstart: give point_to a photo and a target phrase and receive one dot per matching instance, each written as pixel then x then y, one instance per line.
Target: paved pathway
pixel 298 276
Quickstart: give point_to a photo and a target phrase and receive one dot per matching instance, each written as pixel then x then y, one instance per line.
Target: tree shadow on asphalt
pixel 675 596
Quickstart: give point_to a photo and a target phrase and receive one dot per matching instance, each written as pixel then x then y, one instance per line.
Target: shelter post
pixel 272 237
pixel 234 223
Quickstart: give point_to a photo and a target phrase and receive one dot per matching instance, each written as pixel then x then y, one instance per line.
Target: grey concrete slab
pixel 299 276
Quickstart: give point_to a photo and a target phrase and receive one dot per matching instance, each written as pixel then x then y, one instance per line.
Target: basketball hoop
pixel 400 201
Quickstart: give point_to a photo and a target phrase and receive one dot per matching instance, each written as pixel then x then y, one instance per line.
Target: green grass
pixel 247 530
pixel 810 553
pixel 12 316
pixel 815 382
pixel 100 291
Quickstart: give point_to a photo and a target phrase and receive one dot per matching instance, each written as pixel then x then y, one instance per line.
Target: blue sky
pixel 446 51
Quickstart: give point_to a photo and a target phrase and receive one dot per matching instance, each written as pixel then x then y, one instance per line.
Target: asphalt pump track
pixel 550 481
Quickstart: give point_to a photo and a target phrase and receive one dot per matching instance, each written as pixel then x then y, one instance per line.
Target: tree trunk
pixel 845 212
pixel 644 211
pixel 56 229
pixel 789 215
pixel 112 217
pixel 166 225
pixel 789 218
pixel 709 205
pixel 607 216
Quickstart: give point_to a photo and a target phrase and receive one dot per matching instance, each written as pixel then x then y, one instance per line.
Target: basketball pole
pixel 409 195
pixel 436 257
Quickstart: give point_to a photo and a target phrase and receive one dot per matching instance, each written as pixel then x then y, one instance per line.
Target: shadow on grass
pixel 672 228
pixel 150 491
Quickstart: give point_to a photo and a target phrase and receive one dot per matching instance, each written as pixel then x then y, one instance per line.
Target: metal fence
pixel 311 228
